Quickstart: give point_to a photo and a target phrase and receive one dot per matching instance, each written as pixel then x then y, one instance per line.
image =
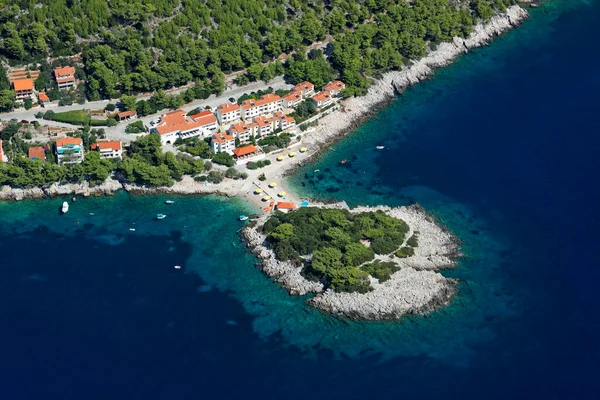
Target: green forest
pixel 342 244
pixel 132 46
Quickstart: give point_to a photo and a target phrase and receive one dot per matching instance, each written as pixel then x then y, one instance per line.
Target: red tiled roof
pixel 335 85
pixel 37 152
pixel 64 74
pixel 321 96
pixel 262 122
pixel 303 86
pixel 284 205
pixel 126 114
pixel 23 84
pixel 222 138
pixel 242 151
pixel 114 145
pixel 228 107
pixel 176 121
pixel 68 141
pixel 205 117
pixel 291 97
pixel 43 97
pixel 266 99
pixel 240 127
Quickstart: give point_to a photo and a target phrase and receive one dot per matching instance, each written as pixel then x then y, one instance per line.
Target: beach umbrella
pixel 272 184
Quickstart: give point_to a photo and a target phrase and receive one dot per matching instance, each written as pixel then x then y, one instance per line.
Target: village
pixel 246 130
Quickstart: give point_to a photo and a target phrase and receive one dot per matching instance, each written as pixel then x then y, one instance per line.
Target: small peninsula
pixel 364 263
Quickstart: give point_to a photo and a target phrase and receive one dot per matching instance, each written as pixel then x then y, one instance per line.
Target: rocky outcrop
pixel 417 288
pixel 80 189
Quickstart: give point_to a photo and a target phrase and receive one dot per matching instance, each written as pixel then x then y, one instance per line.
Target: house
pixel 69 150
pixel 109 148
pixel 65 77
pixel 322 99
pixel 268 103
pixel 223 143
pixel 241 131
pixel 3 157
pixel 263 126
pixel 125 115
pixel 245 152
pixel 305 89
pixel 292 99
pixel 285 206
pixel 43 99
pixel 36 153
pixel 227 113
pixel 176 124
pixel 23 88
pixel 208 123
pixel 334 87
pixel 283 122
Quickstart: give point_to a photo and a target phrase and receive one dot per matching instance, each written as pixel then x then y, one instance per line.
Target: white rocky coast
pixel 416 289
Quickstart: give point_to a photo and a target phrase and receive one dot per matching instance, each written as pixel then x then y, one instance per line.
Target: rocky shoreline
pixel 417 288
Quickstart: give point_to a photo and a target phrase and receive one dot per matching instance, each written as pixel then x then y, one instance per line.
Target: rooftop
pixel 68 141
pixel 266 99
pixel 23 84
pixel 126 114
pixel 101 145
pixel 335 85
pixel 240 127
pixel 64 72
pixel 228 107
pixel 37 152
pixel 284 205
pixel 176 121
pixel 43 97
pixel 222 138
pixel 306 85
pixel 321 96
pixel 292 96
pixel 242 151
pixel 205 117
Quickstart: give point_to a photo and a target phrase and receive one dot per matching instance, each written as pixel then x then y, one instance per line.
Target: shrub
pixel 232 173
pixel 258 164
pixel 381 270
pixel 207 165
pixel 405 252
pixel 75 117
pixel 384 245
pixel 244 175
pixel 110 107
pixel 215 176
pixel 28 103
pixel 412 241
pixel 200 178
pixel 136 127
pixel 224 159
pixel 262 178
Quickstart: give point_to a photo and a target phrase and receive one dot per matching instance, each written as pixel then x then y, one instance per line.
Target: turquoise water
pixel 495 146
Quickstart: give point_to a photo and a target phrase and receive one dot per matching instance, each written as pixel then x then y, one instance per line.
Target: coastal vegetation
pixel 337 247
pixel 145 46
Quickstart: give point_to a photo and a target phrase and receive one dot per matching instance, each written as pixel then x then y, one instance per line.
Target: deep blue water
pixel 502 146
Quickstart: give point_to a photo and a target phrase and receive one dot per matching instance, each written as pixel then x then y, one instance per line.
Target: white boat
pixel 65 207
pixel 380 147
pixel 132 229
pixel 177 267
pixel 243 217
pixel 169 202
pixel 161 216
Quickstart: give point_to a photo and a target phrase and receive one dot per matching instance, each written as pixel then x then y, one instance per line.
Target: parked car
pixel 14 120
pixel 24 121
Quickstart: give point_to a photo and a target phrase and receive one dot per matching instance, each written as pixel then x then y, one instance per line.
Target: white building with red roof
pixel 283 122
pixel 269 103
pixel 305 89
pixel 69 150
pixel 223 143
pixel 322 99
pixel 176 124
pixel 241 131
pixel 65 77
pixel 228 113
pixel 292 99
pixel 334 87
pixel 108 148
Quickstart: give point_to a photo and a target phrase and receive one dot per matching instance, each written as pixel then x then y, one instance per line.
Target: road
pixel 118 132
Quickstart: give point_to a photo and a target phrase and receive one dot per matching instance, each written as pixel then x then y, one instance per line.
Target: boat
pixel 317 170
pixel 343 162
pixel 281 194
pixel 272 184
pixel 258 191
pixel 280 158
pixel 161 216
pixel 132 229
pixel 169 202
pixel 243 217
pixel 303 149
pixel 177 267
pixel 74 199
pixel 65 207
pixel 92 214
pixel 380 147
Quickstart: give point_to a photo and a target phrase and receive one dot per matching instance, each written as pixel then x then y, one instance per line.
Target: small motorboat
pixel 92 214
pixel 169 202
pixel 380 147
pixel 65 207
pixel 243 217
pixel 74 199
pixel 343 162
pixel 317 170
pixel 161 216
pixel 132 229
pixel 177 267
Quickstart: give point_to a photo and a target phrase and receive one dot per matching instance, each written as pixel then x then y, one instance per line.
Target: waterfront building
pixel 268 103
pixel 283 122
pixel 292 99
pixel 305 89
pixel 223 143
pixel 322 99
pixel 69 150
pixel 176 124
pixel 334 87
pixel 108 148
pixel 241 131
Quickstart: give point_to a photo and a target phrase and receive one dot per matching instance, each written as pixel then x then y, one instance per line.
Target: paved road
pixel 118 132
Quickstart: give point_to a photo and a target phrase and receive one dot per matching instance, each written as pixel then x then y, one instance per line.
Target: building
pixel 322 99
pixel 268 103
pixel 23 88
pixel 176 124
pixel 241 131
pixel 305 89
pixel 36 153
pixel 126 115
pixel 227 113
pixel 69 150
pixel 43 99
pixel 223 143
pixel 246 152
pixel 3 157
pixel 283 122
pixel 263 126
pixel 334 87
pixel 108 148
pixel 65 77
pixel 285 206
pixel 292 99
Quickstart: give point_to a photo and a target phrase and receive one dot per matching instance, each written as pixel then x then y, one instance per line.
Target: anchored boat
pixel 161 216
pixel 65 207
pixel 243 217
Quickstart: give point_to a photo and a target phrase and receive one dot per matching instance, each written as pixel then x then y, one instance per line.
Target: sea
pixel 503 147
